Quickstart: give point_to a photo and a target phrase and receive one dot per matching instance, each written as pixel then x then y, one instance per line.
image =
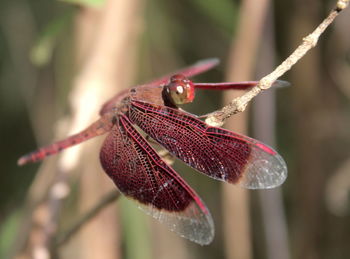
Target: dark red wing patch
pixel 140 174
pixel 216 152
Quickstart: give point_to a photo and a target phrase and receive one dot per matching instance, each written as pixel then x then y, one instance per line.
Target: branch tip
pixel 310 41
pixel 341 5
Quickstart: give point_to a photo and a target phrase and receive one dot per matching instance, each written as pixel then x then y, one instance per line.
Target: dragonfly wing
pixel 192 70
pixel 236 85
pixel 141 175
pixel 197 68
pixel 218 153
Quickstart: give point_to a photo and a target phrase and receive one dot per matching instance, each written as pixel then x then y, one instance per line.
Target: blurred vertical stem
pixel 107 42
pixel 159 57
pixel 241 65
pixel 264 122
pixel 313 159
pixel 105 38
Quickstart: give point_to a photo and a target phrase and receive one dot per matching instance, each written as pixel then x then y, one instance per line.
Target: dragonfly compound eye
pixel 179 90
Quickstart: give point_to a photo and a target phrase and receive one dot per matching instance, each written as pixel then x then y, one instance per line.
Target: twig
pixel 106 200
pixel 239 104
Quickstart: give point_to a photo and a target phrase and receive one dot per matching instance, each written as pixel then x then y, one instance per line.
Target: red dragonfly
pixel 141 174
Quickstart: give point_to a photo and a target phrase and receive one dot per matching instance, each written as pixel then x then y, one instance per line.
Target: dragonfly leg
pixel 166 156
pixel 204 116
pixel 163 153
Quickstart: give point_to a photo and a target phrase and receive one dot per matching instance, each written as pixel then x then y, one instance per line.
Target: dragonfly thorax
pixel 179 90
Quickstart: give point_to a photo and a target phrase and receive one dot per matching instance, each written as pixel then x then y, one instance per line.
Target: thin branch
pixel 104 202
pixel 239 104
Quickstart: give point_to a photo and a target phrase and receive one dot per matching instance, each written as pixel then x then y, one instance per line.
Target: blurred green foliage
pixel 88 3
pixel 8 230
pixel 43 49
pixel 135 232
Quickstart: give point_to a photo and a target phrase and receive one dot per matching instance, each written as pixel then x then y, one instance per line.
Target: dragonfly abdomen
pixel 98 128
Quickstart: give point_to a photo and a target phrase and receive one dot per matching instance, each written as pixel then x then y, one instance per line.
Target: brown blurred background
pixel 60 60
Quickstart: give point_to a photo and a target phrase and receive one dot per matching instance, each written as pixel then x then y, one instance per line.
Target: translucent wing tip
pixel 192 223
pixel 281 83
pixel 211 61
pixel 199 231
pixel 269 171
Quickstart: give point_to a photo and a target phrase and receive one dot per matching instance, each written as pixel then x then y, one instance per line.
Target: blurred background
pixel 60 60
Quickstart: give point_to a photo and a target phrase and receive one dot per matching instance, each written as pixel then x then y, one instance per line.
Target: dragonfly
pixel 141 174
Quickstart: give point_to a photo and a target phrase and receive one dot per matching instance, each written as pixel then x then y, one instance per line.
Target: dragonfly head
pixel 179 90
